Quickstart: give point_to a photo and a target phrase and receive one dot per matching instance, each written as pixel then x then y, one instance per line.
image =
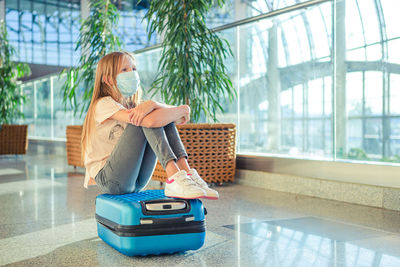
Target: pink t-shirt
pixel 104 138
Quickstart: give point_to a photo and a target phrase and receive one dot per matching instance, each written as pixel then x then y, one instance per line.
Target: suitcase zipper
pixel 152 229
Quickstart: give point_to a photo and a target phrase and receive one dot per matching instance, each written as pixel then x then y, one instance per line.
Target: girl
pixel 123 136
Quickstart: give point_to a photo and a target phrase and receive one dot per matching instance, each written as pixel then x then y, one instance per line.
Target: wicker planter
pixel 211 149
pixel 13 139
pixel 74 145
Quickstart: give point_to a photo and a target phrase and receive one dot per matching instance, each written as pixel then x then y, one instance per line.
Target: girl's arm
pixel 161 105
pixel 122 115
pixel 157 118
pixel 163 116
pixel 142 110
pixel 135 114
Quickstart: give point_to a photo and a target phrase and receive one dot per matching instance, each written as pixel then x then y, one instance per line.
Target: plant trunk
pixel 186 70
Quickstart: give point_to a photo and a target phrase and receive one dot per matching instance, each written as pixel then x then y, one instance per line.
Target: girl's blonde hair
pixel 108 66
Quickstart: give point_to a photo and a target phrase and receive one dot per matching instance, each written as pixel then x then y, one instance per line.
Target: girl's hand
pixel 185 109
pixel 137 114
pixel 182 120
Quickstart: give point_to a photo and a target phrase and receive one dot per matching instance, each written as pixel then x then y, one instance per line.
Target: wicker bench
pixel 13 139
pixel 211 149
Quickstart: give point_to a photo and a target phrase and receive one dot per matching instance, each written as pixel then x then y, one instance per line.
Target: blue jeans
pixel 133 160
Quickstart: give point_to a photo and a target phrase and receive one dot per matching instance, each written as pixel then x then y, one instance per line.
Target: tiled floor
pixel 47 219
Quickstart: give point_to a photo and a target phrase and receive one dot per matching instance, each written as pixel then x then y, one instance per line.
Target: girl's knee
pixel 113 188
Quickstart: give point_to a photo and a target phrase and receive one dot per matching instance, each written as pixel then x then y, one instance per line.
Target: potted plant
pixel 96 38
pixel 13 138
pixel 191 71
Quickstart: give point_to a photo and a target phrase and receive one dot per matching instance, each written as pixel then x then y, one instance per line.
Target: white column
pixel 241 13
pixel 238 64
pixel 239 48
pixel 2 10
pixel 274 89
pixel 85 11
pixel 240 9
pixel 52 106
pixel 340 79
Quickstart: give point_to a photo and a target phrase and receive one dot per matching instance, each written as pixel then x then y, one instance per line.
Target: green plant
pixel 10 94
pixel 96 39
pixel 394 159
pixel 358 154
pixel 191 68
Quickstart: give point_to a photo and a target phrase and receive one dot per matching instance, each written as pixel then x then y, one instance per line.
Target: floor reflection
pixel 310 240
pixel 47 219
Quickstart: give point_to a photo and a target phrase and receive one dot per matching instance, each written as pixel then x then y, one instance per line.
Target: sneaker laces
pixel 198 179
pixel 187 181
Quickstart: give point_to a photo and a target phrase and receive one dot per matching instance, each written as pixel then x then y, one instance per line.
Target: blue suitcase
pixel 148 222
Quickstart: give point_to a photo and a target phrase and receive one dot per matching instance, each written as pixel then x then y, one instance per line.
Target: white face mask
pixel 128 83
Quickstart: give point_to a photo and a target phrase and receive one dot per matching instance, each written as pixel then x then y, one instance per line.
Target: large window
pixel 371 71
pixel 321 82
pixel 131 28
pixel 44 111
pixel 44 32
pixel 284 81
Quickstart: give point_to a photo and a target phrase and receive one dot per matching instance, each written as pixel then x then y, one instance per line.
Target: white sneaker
pixel 210 193
pixel 180 185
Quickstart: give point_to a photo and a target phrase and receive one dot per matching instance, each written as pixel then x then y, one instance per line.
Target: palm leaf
pixel 191 65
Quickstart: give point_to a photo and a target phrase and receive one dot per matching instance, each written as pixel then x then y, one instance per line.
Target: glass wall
pixel 131 29
pixel 371 73
pixel 283 74
pixel 44 32
pixel 319 83
pixel 303 93
pixel 44 111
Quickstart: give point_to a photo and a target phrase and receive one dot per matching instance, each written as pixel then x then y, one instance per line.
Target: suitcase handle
pixel 165 206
